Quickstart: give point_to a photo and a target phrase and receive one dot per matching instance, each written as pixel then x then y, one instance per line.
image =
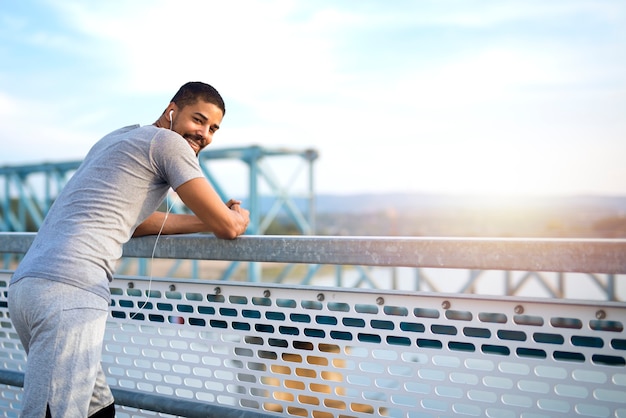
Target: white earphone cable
pixel 133 315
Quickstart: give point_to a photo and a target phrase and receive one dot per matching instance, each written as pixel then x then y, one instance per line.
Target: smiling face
pixel 196 123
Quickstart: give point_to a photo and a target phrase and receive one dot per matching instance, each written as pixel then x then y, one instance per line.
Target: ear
pixel 171 110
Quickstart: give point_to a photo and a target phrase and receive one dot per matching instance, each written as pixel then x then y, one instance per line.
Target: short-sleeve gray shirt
pixel 123 179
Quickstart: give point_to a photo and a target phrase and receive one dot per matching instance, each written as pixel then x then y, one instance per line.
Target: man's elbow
pixel 227 232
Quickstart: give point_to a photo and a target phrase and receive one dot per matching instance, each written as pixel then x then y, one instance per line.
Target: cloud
pixel 396 91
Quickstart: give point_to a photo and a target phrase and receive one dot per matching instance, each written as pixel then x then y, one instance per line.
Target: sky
pixel 494 97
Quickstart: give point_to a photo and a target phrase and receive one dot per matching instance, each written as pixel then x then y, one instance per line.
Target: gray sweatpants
pixel 61 328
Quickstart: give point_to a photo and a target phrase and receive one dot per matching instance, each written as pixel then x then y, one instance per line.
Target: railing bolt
pixel 172 288
pixel 380 301
pixel 320 297
pixel 217 290
pixel 600 314
pixel 445 304
pixel 519 309
pixel 266 294
pixel 131 285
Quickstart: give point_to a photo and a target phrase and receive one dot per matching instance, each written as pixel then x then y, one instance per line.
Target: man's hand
pixel 233 202
pixel 226 221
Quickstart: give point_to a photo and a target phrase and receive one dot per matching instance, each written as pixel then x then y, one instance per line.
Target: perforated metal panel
pixel 340 353
pixel 12 356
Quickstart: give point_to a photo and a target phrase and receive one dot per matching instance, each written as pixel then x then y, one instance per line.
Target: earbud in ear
pixel 171 113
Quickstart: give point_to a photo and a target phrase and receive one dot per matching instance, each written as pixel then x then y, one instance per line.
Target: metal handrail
pixel 528 254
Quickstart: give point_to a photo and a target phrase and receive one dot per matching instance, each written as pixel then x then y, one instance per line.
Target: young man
pixel 59 295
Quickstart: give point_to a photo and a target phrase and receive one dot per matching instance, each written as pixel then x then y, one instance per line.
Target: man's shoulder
pixel 124 130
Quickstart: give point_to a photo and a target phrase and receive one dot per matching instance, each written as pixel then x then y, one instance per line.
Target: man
pixel 59 295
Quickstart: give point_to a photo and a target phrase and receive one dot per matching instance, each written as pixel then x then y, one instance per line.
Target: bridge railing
pixel 219 348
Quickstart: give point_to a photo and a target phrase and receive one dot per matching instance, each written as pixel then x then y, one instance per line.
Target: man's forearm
pixel 168 224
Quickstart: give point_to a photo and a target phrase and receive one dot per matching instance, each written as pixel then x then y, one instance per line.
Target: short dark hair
pixel 191 92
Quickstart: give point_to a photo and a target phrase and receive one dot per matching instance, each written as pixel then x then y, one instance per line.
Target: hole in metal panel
pixel 253 340
pixel 426 343
pixel 288 330
pixel 385 354
pixel 396 310
pixel 126 303
pixel 214 323
pixel 379 324
pixel 612 326
pixel 215 298
pixel 353 322
pixel 608 360
pixel 369 338
pixel 495 349
pixel 277 342
pixel 426 313
pixel 364 308
pixel 156 318
pixel 165 307
pixel 286 303
pixel 411 326
pixel 271 355
pixel 572 323
pixel 226 311
pixel 295 317
pixel 443 329
pixel 148 305
pixel 618 344
pixel 461 346
pixel 207 310
pixel 275 316
pixel 248 313
pixel 193 296
pixel 583 341
pixel 393 340
pixel 332 376
pixel 531 353
pixel 329 348
pixel 326 320
pixel 459 315
pixel 264 328
pixel 338 307
pixel 321 361
pixel 568 356
pixel 133 292
pixel 174 295
pixel 261 301
pixel 531 320
pixel 545 338
pixel 241 326
pixel 184 308
pixel 315 333
pixel 303 345
pixel 511 335
pixel 341 335
pixel 296 358
pixel 311 304
pixel 238 300
pixel 477 332
pixel 496 318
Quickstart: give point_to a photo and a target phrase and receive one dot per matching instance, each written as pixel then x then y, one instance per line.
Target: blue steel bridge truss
pixel 278 182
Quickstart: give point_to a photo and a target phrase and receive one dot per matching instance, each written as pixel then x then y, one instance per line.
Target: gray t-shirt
pixel 123 179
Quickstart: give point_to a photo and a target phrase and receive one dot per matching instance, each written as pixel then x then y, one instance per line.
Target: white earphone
pixel 171 122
